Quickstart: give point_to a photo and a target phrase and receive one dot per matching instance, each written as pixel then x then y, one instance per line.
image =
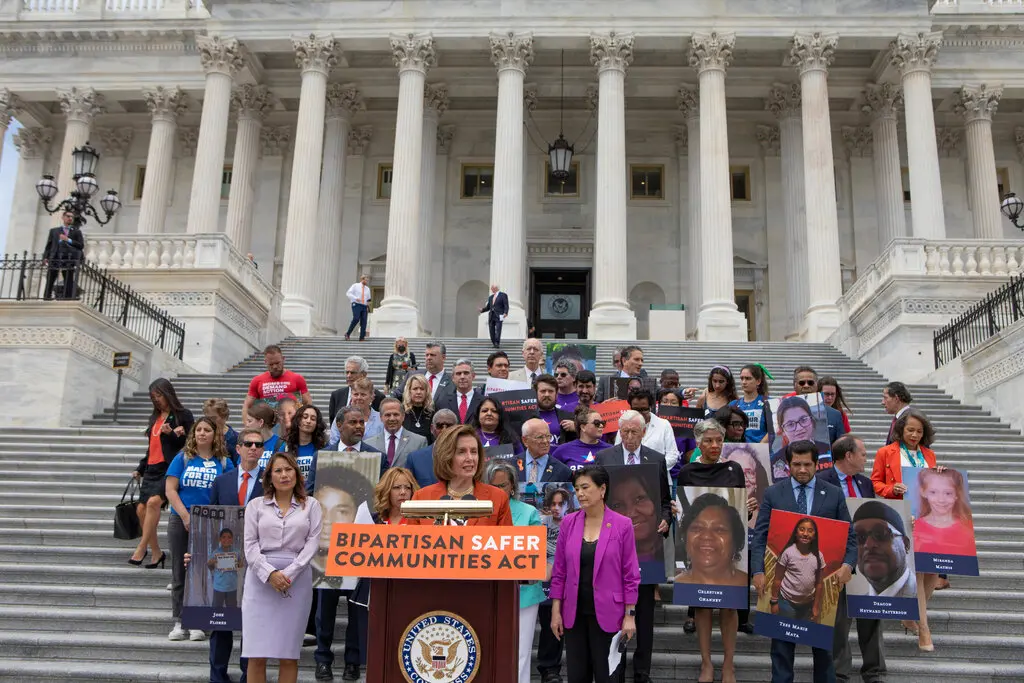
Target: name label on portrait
pixel 794 631
pixel 938 563
pixel 703 595
pixel 878 607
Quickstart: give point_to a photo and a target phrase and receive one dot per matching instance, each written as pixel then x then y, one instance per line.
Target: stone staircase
pixel 72 609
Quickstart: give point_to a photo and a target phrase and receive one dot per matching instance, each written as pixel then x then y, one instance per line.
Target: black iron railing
pixel 30 278
pixel 982 321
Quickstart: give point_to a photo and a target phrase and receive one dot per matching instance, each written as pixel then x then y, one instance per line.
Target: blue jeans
pixel 359 312
pixel 783 651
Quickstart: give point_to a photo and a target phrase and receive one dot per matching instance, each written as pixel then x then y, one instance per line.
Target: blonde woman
pixel 419 406
pixel 402 360
pixel 190 482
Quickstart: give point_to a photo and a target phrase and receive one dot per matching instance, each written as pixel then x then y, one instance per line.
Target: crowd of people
pixel 433 427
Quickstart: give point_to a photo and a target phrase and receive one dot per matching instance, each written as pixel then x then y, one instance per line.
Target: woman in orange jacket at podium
pixel 459 468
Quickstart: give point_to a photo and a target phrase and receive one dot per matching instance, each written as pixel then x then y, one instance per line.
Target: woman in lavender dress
pixel 282 530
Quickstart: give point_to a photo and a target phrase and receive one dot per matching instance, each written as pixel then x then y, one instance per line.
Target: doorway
pixel 745 304
pixel 560 302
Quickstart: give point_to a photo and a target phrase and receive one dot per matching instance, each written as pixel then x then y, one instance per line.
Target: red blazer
pixel 502 515
pixel 888 469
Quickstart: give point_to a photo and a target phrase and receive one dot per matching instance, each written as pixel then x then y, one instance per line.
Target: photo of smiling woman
pixel 634 493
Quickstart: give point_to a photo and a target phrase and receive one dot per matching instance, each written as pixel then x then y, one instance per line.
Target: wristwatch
pixel 631 612
pixel 774 601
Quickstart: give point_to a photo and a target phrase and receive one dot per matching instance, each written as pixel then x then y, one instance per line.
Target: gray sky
pixel 8 171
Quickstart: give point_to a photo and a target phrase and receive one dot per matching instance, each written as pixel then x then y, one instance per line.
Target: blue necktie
pixel 801 499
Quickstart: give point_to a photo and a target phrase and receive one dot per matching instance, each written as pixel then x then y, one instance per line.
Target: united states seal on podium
pixel 439 647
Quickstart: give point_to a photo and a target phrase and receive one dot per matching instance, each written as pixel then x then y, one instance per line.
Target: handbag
pixel 126 517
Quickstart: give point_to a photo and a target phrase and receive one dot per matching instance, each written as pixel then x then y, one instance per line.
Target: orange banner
pixel 437 552
pixel 610 412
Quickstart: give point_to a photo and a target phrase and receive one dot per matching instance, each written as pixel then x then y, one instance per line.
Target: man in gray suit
pixel 395 442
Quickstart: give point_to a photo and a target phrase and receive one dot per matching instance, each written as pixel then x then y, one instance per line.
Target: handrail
pixel 982 321
pixel 33 278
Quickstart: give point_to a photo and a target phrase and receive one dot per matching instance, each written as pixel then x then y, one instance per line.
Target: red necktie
pixel 243 489
pixel 892 432
pixel 849 487
pixel 391 449
pixel 432 383
pixel 463 408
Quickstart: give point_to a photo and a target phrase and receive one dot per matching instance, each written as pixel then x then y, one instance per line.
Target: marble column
pixel 784 101
pixel 435 104
pixel 80 107
pixel 512 55
pixel 114 146
pixel 883 103
pixel 252 103
pixel 610 315
pixel 221 58
pixel 275 141
pixel 811 54
pixel 165 106
pixel 977 104
pixel 398 314
pixel 9 105
pixel 24 233
pixel 299 283
pixel 860 193
pixel 359 139
pixel 435 252
pixel 343 102
pixel 688 100
pixel 914 55
pixel 718 318
pixel 772 310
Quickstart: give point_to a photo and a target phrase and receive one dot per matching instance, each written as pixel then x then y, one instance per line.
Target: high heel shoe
pixel 925 646
pixel 909 627
pixel 139 561
pixel 159 563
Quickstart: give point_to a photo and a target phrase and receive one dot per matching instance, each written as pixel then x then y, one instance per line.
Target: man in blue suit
pixel 421 462
pixel 536 464
pixel 496 309
pixel 804 494
pixel 235 487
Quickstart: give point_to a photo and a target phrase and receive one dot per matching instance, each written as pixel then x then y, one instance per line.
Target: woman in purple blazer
pixel 594 581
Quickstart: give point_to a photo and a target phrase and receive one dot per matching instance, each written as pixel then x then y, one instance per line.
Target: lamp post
pixel 1012 207
pixel 84 161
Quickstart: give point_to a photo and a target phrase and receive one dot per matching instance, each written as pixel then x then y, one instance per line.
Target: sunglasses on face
pixel 444 425
pixel 253 444
pixel 878 535
pixel 806 383
pixel 561 374
pixel 598 423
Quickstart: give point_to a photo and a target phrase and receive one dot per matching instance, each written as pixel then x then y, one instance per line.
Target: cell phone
pixel 622 644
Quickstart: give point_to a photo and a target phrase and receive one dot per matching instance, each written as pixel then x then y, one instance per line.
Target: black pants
pixel 355 630
pixel 359 313
pixel 220 656
pixel 177 537
pixel 869 637
pixel 66 269
pixel 549 648
pixel 225 598
pixel 644 633
pixel 586 648
pixel 494 327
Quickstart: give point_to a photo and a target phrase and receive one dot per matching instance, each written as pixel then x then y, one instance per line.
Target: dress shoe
pixel 323 672
pixel 351 673
pixel 746 627
pixel 551 677
pixel 308 640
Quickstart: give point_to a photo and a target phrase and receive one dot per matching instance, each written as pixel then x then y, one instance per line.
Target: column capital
pixel 359 139
pixel 681 134
pixel 813 51
pixel 252 101
pixel 9 106
pixel 857 140
pixel 911 52
pixel 784 100
pixel 219 54
pixel 511 51
pixel 1018 139
pixel 977 103
pixel 882 100
pixel 344 101
pixel 81 104
pixel 711 51
pixel 613 51
pixel 445 135
pixel 413 52
pixel 688 101
pixel 948 141
pixel 770 139
pixel 188 140
pixel 114 142
pixel 316 54
pixel 435 99
pixel 274 141
pixel 33 143
pixel 166 104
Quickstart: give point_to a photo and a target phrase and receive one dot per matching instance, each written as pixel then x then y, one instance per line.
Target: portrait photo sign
pixel 753 459
pixel 553 500
pixel 216 572
pixel 940 503
pixel 635 492
pixel 801 558
pixel 584 356
pixel 711 549
pixel 885 584
pixel 797 418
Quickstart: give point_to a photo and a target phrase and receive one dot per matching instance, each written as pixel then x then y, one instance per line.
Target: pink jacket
pixel 616 569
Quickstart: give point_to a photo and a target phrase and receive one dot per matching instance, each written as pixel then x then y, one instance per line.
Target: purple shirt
pixel 268 533
pixel 577 454
pixel 567 402
pixel 489 440
pixel 551 417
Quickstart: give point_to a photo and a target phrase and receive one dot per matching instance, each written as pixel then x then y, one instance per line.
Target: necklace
pixel 459 494
pixel 418 417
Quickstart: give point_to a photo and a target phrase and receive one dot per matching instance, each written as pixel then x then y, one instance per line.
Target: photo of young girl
pixel 943 524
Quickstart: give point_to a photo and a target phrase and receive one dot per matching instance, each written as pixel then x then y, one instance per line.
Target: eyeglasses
pixel 737 423
pixel 444 425
pixel 253 444
pixel 806 382
pixel 598 423
pixel 878 535
pixel 561 375
pixel 793 424
pixel 539 437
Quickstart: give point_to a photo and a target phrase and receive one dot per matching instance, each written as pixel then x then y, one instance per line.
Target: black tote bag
pixel 126 518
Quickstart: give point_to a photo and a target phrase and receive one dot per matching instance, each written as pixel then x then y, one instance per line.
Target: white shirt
pixel 626 459
pixel 903 587
pixel 357 447
pixel 659 437
pixel 437 381
pixel 358 290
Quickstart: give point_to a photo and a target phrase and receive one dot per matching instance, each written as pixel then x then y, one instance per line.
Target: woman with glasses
pixel 583 451
pixel 833 395
pixel 796 422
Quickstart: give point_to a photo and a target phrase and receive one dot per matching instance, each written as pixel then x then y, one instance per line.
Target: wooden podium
pixel 490 608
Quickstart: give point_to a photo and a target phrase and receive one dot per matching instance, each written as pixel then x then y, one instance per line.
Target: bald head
pixel 537 437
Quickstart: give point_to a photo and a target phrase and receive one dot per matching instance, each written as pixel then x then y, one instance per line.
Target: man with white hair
pixel 496 309
pixel 536 465
pixel 533 357
pixel 658 435
pixel 356 368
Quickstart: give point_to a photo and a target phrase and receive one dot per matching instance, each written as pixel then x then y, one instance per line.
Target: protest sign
pixel 519 406
pixel 753 459
pixel 801 594
pixel 711 549
pixel 622 385
pixel 884 585
pixel 797 418
pixel 683 420
pixel 610 412
pixel 940 503
pixel 635 491
pixel 496 385
pixel 216 572
pixel 503 451
pixel 583 356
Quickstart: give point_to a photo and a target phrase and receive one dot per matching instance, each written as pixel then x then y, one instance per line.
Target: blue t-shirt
pixel 270 446
pixel 576 454
pixel 225 580
pixel 307 465
pixel 757 421
pixel 195 478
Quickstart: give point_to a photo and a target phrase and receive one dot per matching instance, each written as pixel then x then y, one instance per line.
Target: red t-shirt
pixel 272 390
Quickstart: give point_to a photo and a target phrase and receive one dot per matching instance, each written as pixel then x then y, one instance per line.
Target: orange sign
pixel 611 411
pixel 437 552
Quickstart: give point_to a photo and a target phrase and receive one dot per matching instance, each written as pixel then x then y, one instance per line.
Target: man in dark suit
pixel 356 368
pixel 632 452
pixel 632 366
pixel 461 397
pixel 63 252
pixel 235 487
pixel 496 309
pixel 896 399
pixel 536 465
pixel 849 457
pixel 421 462
pixel 804 494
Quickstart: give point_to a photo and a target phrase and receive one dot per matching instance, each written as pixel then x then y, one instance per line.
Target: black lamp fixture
pixel 560 151
pixel 84 161
pixel 1012 207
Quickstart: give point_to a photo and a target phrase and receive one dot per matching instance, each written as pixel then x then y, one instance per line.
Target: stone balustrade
pixel 182 252
pixel 110 9
pixel 978 6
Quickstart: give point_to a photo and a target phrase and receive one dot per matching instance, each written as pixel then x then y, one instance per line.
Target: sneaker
pixel 177 633
pixel 196 635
